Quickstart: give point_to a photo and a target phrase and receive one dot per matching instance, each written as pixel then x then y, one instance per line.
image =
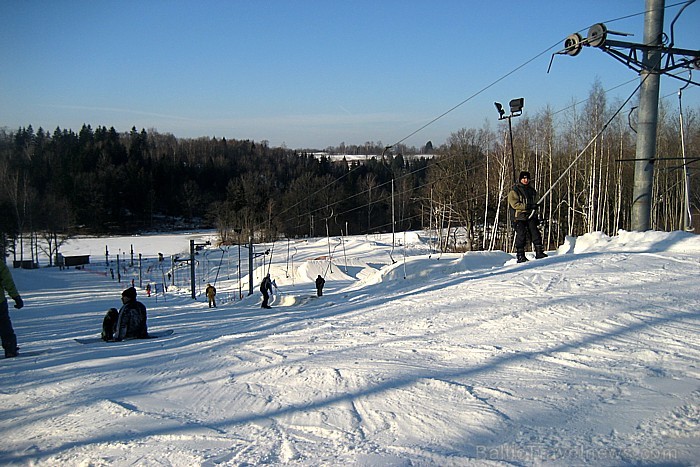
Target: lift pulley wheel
pixel 572 44
pixel 597 35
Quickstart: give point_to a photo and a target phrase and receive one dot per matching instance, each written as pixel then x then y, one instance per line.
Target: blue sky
pixel 307 73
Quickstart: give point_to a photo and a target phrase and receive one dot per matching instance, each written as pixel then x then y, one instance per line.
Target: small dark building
pixel 24 264
pixel 70 261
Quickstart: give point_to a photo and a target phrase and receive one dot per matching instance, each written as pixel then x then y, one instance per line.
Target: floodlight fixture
pixel 499 107
pixel 516 106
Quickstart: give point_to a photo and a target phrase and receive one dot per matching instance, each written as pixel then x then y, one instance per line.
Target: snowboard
pixel 151 335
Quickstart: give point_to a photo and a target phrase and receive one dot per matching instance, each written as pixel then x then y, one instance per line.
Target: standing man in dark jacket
pixel 320 282
pixel 266 290
pixel 131 323
pixel 7 333
pixel 522 199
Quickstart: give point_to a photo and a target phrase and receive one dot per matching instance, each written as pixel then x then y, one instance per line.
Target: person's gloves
pixel 18 302
pixel 531 207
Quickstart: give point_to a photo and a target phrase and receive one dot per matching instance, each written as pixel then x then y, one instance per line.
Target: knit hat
pixel 524 174
pixel 130 293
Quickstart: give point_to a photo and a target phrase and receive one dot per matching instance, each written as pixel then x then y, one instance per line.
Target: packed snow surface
pixel 410 357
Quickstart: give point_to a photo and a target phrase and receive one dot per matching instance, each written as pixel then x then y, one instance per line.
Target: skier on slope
pixel 522 198
pixel 266 290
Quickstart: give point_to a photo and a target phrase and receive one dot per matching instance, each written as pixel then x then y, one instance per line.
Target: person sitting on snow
pixel 131 319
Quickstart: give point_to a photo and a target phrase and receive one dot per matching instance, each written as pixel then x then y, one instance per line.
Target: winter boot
pixel 539 252
pixel 520 255
pixel 9 353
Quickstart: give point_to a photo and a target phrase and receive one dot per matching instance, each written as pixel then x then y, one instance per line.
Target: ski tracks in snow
pixel 516 364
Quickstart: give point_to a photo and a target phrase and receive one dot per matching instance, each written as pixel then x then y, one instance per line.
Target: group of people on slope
pixel 130 321
pixel 267 284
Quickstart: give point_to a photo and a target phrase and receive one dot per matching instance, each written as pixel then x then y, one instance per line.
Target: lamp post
pixel 238 231
pixel 516 109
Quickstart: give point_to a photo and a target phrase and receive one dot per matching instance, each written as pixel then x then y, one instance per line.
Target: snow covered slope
pixel 587 357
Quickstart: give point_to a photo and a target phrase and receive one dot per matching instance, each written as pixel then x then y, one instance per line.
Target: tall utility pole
pixel 648 113
pixel 192 271
pixel 250 264
pixel 687 214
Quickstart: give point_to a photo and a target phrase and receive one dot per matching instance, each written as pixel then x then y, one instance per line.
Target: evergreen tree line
pixel 102 181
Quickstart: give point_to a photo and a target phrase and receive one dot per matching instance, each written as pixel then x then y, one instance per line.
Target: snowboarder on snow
pixel 266 290
pixel 320 282
pixel 131 321
pixel 7 333
pixel 522 198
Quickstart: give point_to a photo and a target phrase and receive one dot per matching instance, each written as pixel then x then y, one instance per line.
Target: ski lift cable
pixel 686 178
pixel 447 158
pixel 269 263
pixel 600 132
pixel 673 23
pixel 481 91
pixel 218 269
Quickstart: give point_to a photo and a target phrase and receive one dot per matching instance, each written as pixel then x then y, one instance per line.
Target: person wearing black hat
pixel 131 323
pixel 522 199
